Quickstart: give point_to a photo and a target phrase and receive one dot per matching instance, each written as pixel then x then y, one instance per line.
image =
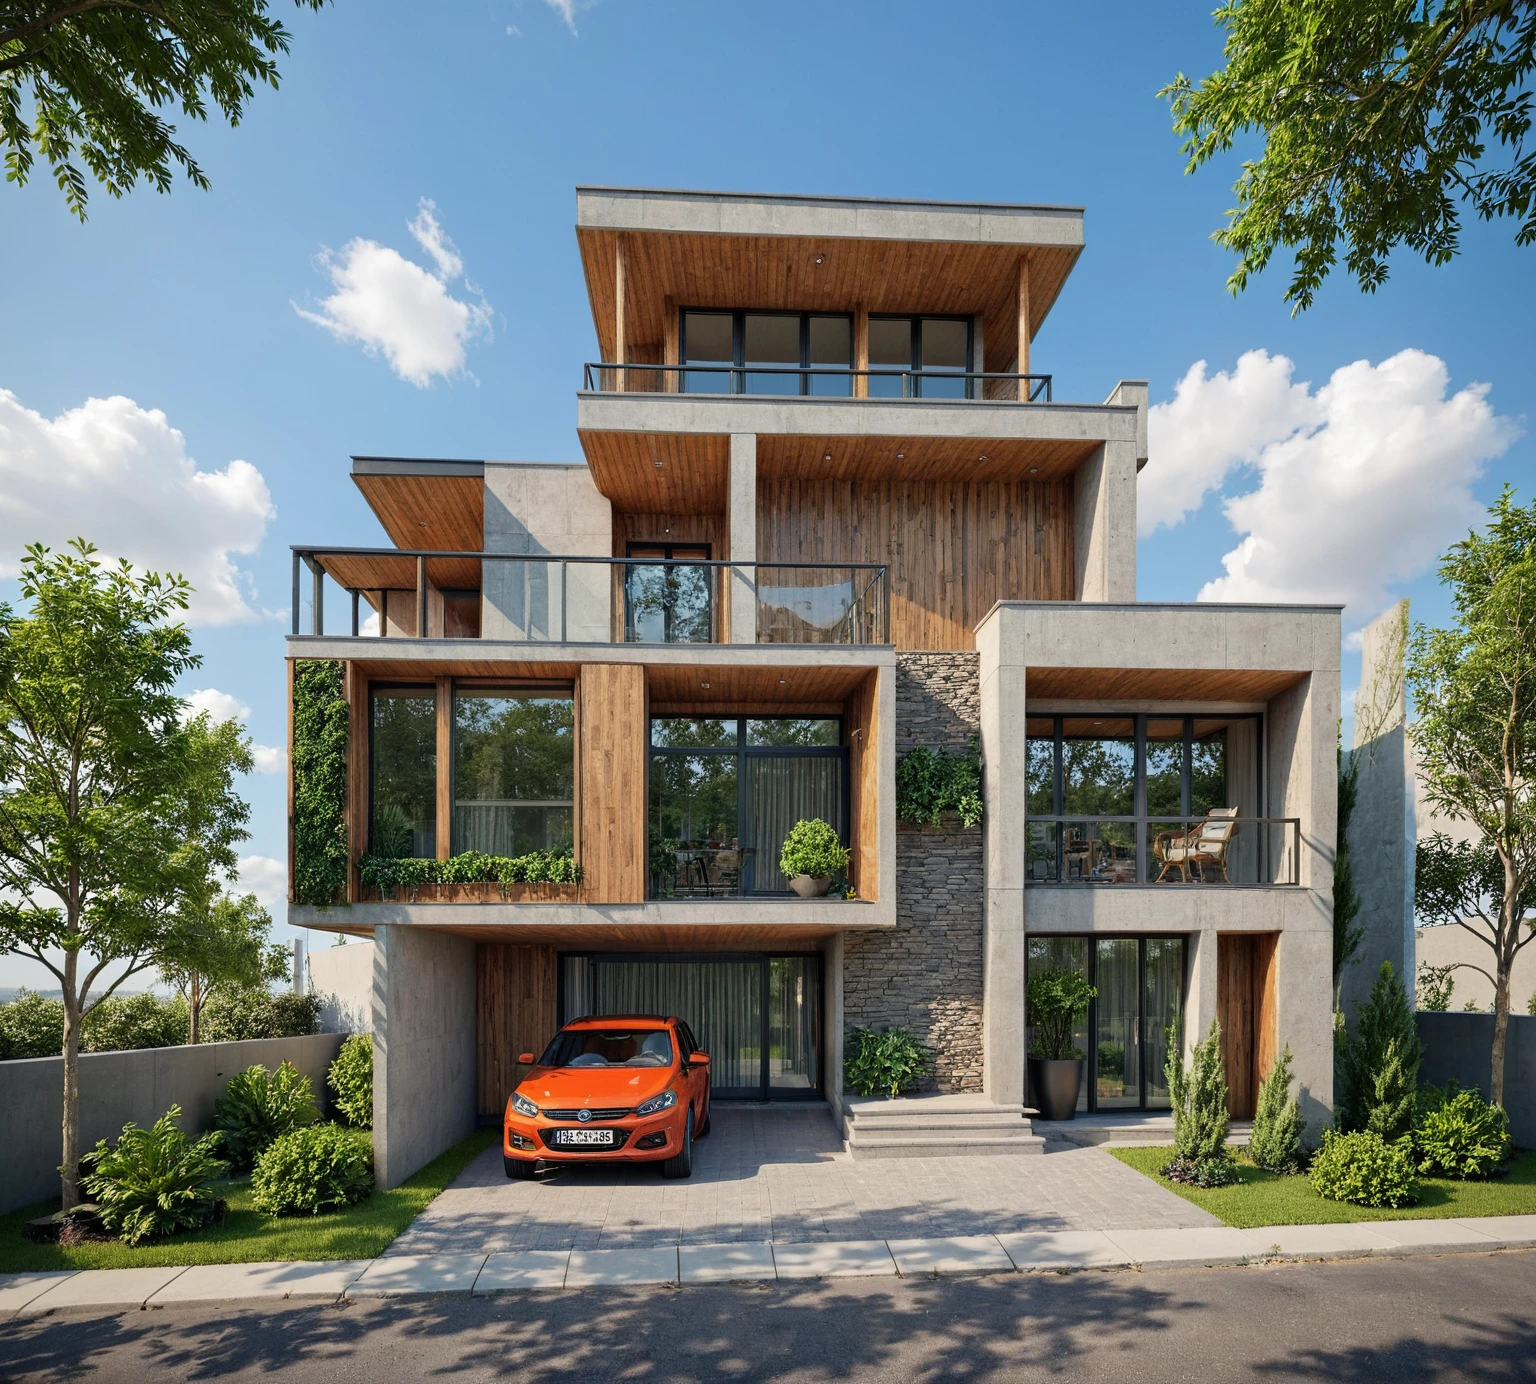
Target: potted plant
pixel 1056 998
pixel 812 854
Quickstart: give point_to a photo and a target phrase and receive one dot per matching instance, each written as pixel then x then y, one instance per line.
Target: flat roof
pixel 416 466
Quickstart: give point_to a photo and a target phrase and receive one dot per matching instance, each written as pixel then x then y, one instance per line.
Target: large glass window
pixel 403 754
pixel 767 353
pixel 666 604
pixel 1140 984
pixel 513 771
pixel 1150 799
pixel 920 358
pixel 725 792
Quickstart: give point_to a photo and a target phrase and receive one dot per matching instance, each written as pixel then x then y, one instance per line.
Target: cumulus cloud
pixel 266 759
pixel 393 306
pixel 1361 484
pixel 119 475
pixel 264 877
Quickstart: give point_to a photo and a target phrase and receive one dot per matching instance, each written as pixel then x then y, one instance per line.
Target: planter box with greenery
pixel 812 855
pixel 473 877
pixel 1056 999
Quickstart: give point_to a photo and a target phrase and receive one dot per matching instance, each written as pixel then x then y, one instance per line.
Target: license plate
pixel 585 1138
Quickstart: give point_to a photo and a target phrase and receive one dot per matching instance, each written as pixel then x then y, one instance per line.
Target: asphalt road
pixel 1455 1317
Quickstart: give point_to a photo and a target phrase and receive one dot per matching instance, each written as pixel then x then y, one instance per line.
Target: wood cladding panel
pixel 709 529
pixel 622 936
pixel 954 548
pixel 1246 991
pixel 1158 684
pixel 780 272
pixel 862 732
pixel 732 686
pixel 888 457
pixel 451 507
pixel 693 477
pixel 610 769
pixel 515 1008
pixel 384 572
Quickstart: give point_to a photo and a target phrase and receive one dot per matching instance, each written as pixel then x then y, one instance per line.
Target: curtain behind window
pixel 783 790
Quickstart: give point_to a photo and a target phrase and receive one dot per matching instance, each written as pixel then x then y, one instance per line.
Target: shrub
pixel 320 721
pixel 1277 1124
pixel 351 1078
pixel 930 783
pixel 1365 1169
pixel 1054 998
pixel 236 1015
pixel 121 1022
pixel 387 873
pixel 1379 1073
pixel 31 1026
pixel 259 1106
pixel 319 1168
pixel 813 848
pixel 1458 1134
pixel 154 1182
pixel 889 1061
pixel 1199 1100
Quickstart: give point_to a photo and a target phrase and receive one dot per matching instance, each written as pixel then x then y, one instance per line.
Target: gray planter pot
pixel 809 887
pixel 1056 1083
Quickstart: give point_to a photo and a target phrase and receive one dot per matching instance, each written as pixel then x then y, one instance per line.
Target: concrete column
pixel 424 1087
pixel 1000 644
pixel 743 529
pixel 1104 522
pixel 832 1008
pixel 1200 998
pixel 1304 1018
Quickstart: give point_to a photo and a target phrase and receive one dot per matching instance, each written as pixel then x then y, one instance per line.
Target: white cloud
pixel 1360 484
pixel 266 759
pixel 264 877
pixel 387 303
pixel 119 475
pixel 566 9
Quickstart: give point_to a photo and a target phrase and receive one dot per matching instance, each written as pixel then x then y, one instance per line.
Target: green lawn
pixel 247 1235
pixel 1264 1198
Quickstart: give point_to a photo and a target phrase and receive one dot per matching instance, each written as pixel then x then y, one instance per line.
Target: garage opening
pixel 758 1016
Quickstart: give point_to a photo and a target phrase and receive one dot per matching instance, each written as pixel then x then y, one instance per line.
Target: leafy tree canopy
pixel 1379 120
pixel 84 82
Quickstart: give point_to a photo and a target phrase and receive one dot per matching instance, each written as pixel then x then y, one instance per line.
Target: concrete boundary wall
pixel 1461 1046
pixel 343 978
pixel 116 1087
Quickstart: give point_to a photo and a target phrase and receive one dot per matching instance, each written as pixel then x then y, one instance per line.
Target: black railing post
pixel 355 594
pixel 565 568
pixel 421 598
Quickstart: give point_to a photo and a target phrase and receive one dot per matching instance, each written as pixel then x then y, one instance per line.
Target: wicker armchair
pixel 1199 846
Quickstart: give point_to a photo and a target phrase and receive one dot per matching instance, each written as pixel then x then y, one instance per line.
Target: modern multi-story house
pixel 829 512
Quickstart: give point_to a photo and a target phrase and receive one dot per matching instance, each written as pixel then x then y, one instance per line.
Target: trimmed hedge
pixel 1365 1169
pixel 319 1168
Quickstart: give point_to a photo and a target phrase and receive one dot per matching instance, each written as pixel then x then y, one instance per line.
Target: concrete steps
pixel 936 1127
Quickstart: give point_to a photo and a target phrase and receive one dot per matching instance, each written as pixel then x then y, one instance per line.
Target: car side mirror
pixel 525 1058
pixel 700 1059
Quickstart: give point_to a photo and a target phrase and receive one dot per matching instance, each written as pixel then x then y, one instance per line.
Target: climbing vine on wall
pixel 930 783
pixel 319 783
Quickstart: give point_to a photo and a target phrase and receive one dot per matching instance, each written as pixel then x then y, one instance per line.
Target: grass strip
pixel 249 1236
pixel 1266 1198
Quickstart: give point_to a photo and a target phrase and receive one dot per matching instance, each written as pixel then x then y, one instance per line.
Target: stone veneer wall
pixel 925 975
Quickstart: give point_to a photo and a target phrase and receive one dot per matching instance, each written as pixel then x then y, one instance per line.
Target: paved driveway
pixel 779 1173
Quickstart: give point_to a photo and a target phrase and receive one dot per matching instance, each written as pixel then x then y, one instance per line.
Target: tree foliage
pixel 84 82
pixel 931 782
pixel 224 946
pixel 1378 120
pixel 1347 933
pixel 1277 1121
pixel 1474 691
pixel 320 720
pixel 1379 1068
pixel 1198 1097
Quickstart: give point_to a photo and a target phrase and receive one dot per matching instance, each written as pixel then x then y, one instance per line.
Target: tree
pixel 1347 933
pixel 1378 1072
pixel 84 79
pixel 223 946
pixel 1376 119
pixel 100 781
pixel 1474 690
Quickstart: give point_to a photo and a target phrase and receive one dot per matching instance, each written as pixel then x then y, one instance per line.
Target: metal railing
pixel 814 381
pixel 1162 850
pixel 429 594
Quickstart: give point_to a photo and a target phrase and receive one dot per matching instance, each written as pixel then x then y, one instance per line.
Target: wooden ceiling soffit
pixel 1157 684
pixel 383 572
pixel 729 686
pixel 444 513
pixel 385 669
pixel 660 473
pixel 780 272
pixel 781 457
pixel 609 936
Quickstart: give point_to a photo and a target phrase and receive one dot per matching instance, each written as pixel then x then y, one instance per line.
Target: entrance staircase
pixel 935 1127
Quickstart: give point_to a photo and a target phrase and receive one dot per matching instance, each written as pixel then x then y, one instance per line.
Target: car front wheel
pixel 519 1167
pixel 681 1163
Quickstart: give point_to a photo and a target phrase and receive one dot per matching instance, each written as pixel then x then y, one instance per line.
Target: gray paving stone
pixel 593 1266
pixel 724 1263
pixel 103 1288
pixel 18 1289
pixel 835 1259
pixel 217 1282
pixel 524 1268
pixel 1061 1249
pixel 953 1254
pixel 396 1275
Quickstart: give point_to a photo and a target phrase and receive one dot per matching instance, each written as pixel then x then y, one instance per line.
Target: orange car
pixel 627 1089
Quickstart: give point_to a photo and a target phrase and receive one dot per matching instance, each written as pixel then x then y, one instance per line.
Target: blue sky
pixel 496 110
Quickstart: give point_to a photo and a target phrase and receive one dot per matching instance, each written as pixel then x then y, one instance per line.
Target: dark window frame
pixel 740 369
pixel 668 548
pixel 420 689
pixel 917 319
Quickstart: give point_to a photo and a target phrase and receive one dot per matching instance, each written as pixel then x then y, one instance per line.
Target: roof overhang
pixel 425 503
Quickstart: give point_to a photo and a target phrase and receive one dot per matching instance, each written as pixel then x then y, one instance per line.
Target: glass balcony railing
pixel 1217 849
pixel 389 593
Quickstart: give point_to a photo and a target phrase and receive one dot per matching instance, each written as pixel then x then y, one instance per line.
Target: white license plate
pixel 585 1138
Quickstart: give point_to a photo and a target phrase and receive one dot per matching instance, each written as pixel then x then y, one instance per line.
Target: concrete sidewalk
pixel 399 1275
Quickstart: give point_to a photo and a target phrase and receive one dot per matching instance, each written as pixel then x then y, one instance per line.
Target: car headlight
pixel 523 1106
pixel 665 1101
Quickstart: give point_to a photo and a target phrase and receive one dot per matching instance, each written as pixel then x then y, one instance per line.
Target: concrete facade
pixel 343 978
pixel 138 1086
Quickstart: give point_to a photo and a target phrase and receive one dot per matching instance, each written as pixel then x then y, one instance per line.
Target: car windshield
pixel 591 1047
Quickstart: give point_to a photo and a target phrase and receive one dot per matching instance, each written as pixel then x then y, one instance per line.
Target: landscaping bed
pixel 1263 1198
pixel 247 1235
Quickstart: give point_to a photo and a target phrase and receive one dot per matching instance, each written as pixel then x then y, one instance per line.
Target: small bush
pixel 259 1106
pixel 258 1013
pixel 1277 1124
pixel 351 1078
pixel 930 783
pixel 1379 1072
pixel 154 1182
pixel 319 1168
pixel 1217 1171
pixel 1458 1134
pixel 31 1026
pixel 1364 1169
pixel 883 1062
pixel 122 1022
pixel 1198 1098
pixel 813 848
pixel 1054 998
pixel 387 873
